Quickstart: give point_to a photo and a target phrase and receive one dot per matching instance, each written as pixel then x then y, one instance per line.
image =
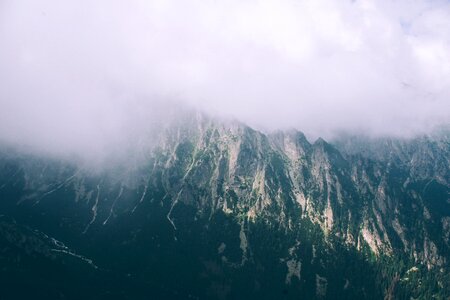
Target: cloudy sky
pixel 74 74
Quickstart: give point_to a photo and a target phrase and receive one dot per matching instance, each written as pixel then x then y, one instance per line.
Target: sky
pixel 80 76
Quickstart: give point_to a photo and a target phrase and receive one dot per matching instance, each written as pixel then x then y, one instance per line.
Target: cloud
pixel 77 75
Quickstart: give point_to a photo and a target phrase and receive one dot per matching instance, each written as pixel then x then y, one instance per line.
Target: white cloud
pixel 72 71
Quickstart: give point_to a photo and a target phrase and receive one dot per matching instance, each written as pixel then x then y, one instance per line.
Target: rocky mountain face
pixel 219 210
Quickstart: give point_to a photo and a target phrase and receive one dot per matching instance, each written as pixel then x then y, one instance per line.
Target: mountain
pixel 217 210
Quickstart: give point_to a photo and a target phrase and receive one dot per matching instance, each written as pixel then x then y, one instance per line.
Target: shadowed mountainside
pixel 219 210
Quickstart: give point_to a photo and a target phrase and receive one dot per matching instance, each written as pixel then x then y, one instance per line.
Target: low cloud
pixel 81 76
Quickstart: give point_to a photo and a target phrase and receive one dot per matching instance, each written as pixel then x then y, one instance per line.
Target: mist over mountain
pixel 81 77
pixel 253 149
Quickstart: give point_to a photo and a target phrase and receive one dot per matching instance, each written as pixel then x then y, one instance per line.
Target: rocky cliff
pixel 219 210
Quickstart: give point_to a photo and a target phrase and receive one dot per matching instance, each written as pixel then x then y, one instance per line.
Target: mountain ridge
pixel 201 172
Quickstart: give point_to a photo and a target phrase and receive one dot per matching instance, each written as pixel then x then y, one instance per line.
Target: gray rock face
pixel 383 199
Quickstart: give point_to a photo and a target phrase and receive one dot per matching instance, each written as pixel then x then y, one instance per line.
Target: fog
pixel 81 77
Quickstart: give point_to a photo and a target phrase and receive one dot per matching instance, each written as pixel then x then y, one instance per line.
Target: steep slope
pixel 219 210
